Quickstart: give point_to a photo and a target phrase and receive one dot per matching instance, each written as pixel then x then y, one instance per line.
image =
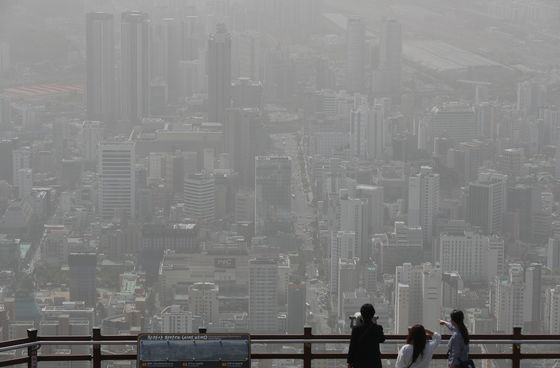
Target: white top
pixel 423 361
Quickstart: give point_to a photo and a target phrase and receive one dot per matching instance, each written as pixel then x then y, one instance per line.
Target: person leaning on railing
pixel 418 352
pixel 458 346
pixel 364 342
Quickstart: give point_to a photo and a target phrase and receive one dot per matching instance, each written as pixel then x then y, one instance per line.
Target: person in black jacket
pixel 364 344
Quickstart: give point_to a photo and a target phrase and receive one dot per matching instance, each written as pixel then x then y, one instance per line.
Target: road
pixel 304 215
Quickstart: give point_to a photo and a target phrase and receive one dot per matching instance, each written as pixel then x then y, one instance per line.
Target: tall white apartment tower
pixel 552 310
pixel 423 201
pixel 263 295
pixel 116 177
pixel 508 295
pixel 343 246
pixel 431 294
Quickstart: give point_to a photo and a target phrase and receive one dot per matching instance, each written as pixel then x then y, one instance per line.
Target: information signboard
pixel 194 351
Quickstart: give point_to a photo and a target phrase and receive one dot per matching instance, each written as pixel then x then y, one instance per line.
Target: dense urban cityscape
pixel 264 165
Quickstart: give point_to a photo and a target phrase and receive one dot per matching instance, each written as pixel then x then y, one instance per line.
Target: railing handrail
pixel 33 342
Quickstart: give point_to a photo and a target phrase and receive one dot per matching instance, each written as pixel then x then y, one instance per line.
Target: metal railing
pixel 33 342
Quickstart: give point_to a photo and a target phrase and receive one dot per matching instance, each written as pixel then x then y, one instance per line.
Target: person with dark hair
pixel 364 343
pixel 418 352
pixel 458 346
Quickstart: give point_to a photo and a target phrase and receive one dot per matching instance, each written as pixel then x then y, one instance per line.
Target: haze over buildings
pixel 258 165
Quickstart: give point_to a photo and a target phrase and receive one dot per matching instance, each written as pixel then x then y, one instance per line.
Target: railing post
pixel 516 349
pixel 307 352
pixel 96 336
pixel 32 350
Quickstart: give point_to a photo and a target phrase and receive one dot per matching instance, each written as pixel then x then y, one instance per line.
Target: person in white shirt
pixel 418 351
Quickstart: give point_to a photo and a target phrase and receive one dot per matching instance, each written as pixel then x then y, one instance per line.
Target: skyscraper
pixel 83 286
pixel 21 159
pixel 423 201
pixel 219 74
pixel 240 142
pixel 204 301
pixel 92 135
pixel 533 307
pixel 508 294
pixel 100 65
pixel 273 202
pixel 135 67
pixel 263 295
pixel 199 196
pixel 454 120
pixel 487 202
pixel 116 179
pixel 390 55
pixel 355 54
pixel 296 307
pixel 552 310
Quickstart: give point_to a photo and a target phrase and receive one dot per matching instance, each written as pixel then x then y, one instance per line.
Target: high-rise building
pixel 263 295
pixel 508 299
pixel 552 310
pixel 135 67
pixel 100 65
pixel 204 302
pixel 116 179
pixel 171 57
pixel 24 182
pixel 368 139
pixel 200 197
pixel 21 159
pixel 296 307
pixel 532 300
pixel 451 285
pixel 174 319
pixel 92 135
pixel 423 201
pixel 553 253
pixel 455 121
pixel 376 215
pixel 348 280
pixel 343 245
pixel 354 217
pixel 402 308
pixel 418 295
pixel 355 54
pixel 388 76
pixel 474 256
pixel 83 285
pixel 273 200
pixel 431 295
pixel 487 202
pixel 219 74
pixel 240 142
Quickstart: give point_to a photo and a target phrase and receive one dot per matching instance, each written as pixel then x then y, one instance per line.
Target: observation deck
pixel 311 348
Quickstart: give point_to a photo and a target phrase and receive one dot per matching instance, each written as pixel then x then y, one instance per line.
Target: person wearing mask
pixel 458 346
pixel 418 352
pixel 364 343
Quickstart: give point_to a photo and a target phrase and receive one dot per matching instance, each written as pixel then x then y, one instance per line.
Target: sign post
pixel 194 351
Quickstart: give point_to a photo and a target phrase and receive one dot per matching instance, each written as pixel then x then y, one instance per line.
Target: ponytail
pixel 458 317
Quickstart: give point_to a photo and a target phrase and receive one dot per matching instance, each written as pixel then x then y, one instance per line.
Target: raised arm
pixel 449 325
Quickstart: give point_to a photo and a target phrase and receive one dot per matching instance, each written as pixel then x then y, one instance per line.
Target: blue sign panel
pixel 194 350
